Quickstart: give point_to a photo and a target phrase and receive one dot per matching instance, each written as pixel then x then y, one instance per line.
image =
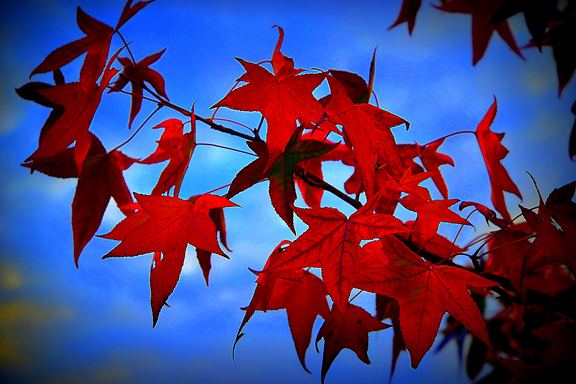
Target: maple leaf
pixel 72 114
pixel 493 152
pixel 552 245
pixel 172 224
pixel 301 293
pixel 99 180
pixel 281 174
pixel 96 43
pixel 252 173
pixel 347 329
pixel 178 148
pixel 482 13
pixel 407 14
pixel 368 128
pixel 508 248
pixel 408 183
pixel 173 128
pixel 432 160
pixel 438 245
pixel 332 243
pixel 354 85
pixel 388 308
pixel 137 74
pixel 488 214
pixel 129 11
pixel 537 14
pixel 431 213
pixel 424 292
pixel 282 65
pixel 280 99
pixel 561 38
pixel 205 257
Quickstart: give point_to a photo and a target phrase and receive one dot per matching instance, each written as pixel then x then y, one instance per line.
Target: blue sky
pixel 93 324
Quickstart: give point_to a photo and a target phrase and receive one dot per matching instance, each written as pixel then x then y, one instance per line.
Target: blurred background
pixel 59 324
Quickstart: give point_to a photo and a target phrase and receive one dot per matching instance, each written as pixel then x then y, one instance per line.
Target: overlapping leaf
pixel 368 128
pixel 553 243
pixel 301 293
pixel 99 180
pixel 332 242
pixel 281 173
pixel 482 13
pixel 72 114
pixel 493 152
pixel 172 224
pixel 281 99
pixel 347 329
pixel 424 291
pixel 137 74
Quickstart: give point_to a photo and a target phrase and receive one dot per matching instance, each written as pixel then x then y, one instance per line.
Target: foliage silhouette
pixel 528 267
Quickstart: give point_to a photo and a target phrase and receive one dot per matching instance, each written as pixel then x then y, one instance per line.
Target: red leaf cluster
pixel 409 266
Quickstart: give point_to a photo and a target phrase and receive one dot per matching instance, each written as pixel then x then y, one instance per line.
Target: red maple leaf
pixel 301 293
pixel 172 224
pixel 173 128
pixel 431 213
pixel 368 129
pixel 493 152
pixel 482 13
pixel 332 243
pixel 176 147
pixel 508 248
pixel 72 114
pixel 281 98
pixel 347 329
pixel 129 11
pixel 432 160
pixel 282 65
pixel 424 291
pixel 281 174
pixel 99 180
pixel 137 74
pixel 408 14
pixel 388 308
pixel 552 244
pixel 96 43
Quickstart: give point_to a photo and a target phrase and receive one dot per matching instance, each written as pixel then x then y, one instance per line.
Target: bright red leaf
pixel 137 74
pixel 73 111
pixel 432 160
pixel 178 148
pixel 173 223
pixel 424 291
pixel 280 98
pixel 368 128
pixel 96 43
pixel 302 294
pixel 332 243
pixel 129 11
pixel 347 329
pixel 99 180
pixel 431 213
pixel 493 152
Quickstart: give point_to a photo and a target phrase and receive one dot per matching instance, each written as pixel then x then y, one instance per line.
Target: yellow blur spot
pixel 10 279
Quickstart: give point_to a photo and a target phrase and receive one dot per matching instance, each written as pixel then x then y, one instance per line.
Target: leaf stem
pixel 138 129
pixel 223 147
